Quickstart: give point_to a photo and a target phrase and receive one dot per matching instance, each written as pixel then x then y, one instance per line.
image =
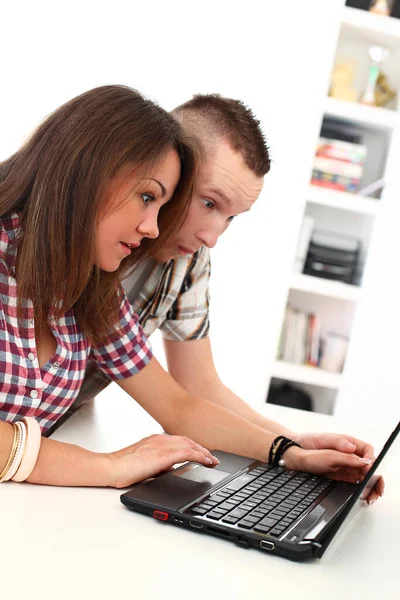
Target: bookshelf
pixel 380 118
pixel 355 214
pixel 303 374
pixel 343 200
pixel 325 287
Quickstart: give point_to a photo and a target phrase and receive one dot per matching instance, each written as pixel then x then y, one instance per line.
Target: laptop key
pixel 239 483
pixel 214 515
pixel 231 520
pixel 198 511
pixel 246 524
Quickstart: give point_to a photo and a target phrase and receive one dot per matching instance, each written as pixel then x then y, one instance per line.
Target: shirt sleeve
pixel 188 318
pixel 128 350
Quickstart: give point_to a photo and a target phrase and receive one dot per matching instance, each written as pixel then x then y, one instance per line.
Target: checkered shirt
pixel 46 393
pixel 175 298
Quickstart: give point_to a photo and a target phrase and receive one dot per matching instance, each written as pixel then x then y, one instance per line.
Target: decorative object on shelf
pixel 341 86
pixel 334 351
pixel 384 92
pixel 378 55
pixel 333 256
pixel 372 188
pixel 381 7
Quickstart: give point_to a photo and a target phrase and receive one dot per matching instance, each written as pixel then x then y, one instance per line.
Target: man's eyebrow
pixel 163 190
pixel 221 194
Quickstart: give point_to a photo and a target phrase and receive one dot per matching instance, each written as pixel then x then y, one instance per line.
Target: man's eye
pixel 208 203
pixel 147 198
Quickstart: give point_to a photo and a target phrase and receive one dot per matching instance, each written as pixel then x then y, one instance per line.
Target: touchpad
pixel 200 474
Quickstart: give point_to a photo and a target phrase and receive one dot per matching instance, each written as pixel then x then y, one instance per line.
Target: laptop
pixel 276 510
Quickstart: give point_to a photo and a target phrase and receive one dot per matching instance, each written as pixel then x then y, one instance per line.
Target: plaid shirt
pixel 46 393
pixel 175 298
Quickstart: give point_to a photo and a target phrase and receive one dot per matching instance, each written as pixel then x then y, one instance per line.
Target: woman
pixel 78 207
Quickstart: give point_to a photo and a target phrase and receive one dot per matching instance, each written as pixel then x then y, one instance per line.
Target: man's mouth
pixel 184 250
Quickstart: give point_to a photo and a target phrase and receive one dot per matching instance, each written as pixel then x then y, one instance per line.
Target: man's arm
pixel 191 364
pixel 215 427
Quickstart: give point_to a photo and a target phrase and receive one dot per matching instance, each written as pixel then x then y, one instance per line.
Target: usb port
pixel 267 545
pixel 195 525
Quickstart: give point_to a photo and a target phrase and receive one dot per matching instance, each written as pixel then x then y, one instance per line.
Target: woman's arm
pixel 69 465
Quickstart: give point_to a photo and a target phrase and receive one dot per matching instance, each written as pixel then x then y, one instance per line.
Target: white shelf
pixel 304 374
pixel 342 200
pixel 379 29
pixel 325 287
pixel 373 116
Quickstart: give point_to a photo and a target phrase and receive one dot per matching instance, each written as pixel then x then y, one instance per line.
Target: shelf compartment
pixel 304 374
pixel 379 29
pixel 342 200
pixel 325 287
pixel 361 114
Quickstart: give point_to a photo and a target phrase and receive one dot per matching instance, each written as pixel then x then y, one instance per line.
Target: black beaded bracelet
pixel 278 447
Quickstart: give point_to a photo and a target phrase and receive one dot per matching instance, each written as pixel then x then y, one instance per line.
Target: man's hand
pixel 340 465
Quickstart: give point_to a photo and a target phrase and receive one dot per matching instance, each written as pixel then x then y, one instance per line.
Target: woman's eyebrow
pixel 163 190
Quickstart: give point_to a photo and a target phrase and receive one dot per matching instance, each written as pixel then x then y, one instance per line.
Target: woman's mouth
pixel 128 246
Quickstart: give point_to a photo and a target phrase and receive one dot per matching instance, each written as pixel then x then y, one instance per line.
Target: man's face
pixel 226 188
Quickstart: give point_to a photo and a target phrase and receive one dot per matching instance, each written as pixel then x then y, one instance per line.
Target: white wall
pixel 275 55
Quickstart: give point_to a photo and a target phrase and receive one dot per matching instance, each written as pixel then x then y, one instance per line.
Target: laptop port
pixel 195 525
pixel 178 520
pixel 266 545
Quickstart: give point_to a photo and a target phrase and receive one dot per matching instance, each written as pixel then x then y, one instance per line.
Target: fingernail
pixel 366 461
pixel 349 445
pixel 215 458
pixel 209 460
pixel 382 494
pixel 358 481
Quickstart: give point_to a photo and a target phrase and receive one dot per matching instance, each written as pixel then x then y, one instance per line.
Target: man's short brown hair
pixel 211 117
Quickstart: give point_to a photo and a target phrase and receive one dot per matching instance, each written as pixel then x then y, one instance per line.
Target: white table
pixel 80 543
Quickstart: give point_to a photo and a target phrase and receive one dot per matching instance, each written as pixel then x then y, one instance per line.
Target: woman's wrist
pixel 293 458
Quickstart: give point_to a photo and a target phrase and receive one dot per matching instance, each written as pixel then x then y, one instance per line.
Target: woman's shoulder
pixel 9 232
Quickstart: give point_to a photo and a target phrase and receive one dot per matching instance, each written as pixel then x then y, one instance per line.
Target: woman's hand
pixel 349 445
pixel 153 455
pixel 342 466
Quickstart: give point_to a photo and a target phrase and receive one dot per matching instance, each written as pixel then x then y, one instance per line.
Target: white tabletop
pixel 82 543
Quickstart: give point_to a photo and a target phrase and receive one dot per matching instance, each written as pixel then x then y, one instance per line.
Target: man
pixel 172 293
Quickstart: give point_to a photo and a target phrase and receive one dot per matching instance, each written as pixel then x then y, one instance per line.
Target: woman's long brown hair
pixel 56 183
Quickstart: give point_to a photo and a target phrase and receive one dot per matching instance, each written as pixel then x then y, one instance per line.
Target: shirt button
pixel 34 394
pixel 31 356
pixel 56 364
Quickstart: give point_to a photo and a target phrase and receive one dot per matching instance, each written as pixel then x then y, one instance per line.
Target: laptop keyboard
pixel 265 500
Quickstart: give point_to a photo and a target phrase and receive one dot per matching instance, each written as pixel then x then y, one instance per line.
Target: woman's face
pixel 131 209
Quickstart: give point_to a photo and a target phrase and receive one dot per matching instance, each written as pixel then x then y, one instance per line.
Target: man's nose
pixel 208 238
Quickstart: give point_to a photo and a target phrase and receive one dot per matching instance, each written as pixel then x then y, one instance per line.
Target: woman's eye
pixel 147 198
pixel 208 203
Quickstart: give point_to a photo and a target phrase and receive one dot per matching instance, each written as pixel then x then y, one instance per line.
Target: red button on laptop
pixel 160 515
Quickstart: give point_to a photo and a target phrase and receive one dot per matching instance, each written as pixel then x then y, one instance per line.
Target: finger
pixel 362 448
pixel 200 448
pixel 342 444
pixel 341 459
